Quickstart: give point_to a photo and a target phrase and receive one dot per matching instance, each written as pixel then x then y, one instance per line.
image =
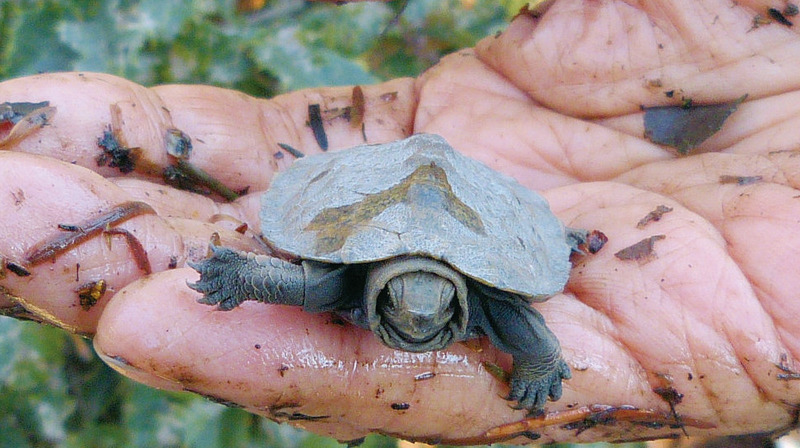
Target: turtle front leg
pixel 533 380
pixel 515 327
pixel 229 277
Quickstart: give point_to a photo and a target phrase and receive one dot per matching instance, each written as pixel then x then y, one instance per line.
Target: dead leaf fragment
pixel 654 215
pixel 641 251
pixel 684 127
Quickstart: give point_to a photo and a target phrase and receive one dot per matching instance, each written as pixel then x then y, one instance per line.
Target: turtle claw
pixel 215 279
pixel 531 391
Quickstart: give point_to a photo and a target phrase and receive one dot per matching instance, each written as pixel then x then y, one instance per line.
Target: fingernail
pixel 126 368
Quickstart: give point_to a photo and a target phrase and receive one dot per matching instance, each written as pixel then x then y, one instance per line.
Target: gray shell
pixel 418 196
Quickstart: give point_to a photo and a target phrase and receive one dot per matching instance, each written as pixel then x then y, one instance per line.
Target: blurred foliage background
pixel 53 391
pixel 283 45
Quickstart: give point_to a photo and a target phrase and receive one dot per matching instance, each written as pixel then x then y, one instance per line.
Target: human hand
pixel 710 315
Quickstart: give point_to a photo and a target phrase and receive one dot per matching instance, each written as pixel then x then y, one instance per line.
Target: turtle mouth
pixel 400 340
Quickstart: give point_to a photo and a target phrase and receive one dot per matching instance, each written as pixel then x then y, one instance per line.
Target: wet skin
pixel 715 309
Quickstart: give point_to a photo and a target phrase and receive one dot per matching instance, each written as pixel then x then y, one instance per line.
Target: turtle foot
pixel 530 386
pixel 218 278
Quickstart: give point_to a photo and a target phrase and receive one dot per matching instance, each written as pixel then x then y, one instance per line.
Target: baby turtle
pixel 419 244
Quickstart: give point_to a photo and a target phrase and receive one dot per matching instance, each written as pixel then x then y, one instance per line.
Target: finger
pixel 686 314
pixel 86 104
pixel 513 134
pixel 45 199
pixel 753 202
pixel 591 59
pixel 628 329
pixel 241 215
pixel 290 365
pixel 235 137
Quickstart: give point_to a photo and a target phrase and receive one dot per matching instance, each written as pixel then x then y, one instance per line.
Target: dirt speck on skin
pixel 424 376
pixel 18 196
pixel 400 406
pixel 388 97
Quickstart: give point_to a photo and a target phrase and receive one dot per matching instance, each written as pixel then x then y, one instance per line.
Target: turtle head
pixel 416 304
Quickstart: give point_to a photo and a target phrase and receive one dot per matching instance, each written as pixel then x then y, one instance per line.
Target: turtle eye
pixel 385 301
pixel 391 294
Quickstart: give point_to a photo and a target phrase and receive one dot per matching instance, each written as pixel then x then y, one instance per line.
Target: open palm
pixel 702 331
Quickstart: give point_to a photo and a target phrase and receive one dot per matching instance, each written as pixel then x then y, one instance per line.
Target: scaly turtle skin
pixel 419 244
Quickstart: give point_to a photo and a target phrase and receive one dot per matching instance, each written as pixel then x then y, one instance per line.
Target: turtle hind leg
pixel 229 277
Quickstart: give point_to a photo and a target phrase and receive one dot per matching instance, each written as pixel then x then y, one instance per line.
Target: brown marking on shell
pixel 334 225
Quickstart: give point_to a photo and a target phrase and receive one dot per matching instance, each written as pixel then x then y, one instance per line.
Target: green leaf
pixel 298 66
pixel 105 41
pixel 29 42
pixel 33 389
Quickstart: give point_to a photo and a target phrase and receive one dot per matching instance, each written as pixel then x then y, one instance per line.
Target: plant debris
pixel 14 112
pixel 65 240
pixel 788 372
pixel 90 293
pixel 317 126
pixel 24 118
pixel 178 144
pixel 758 20
pixel 135 246
pixel 586 417
pixel 115 154
pixel 654 215
pixel 739 180
pixel 497 372
pixel 291 150
pixel 643 250
pixel 358 108
pixel 673 398
pixel 184 175
pixel 279 412
pixel 686 126
pixel 16 269
pixel 595 240
pixel 779 17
